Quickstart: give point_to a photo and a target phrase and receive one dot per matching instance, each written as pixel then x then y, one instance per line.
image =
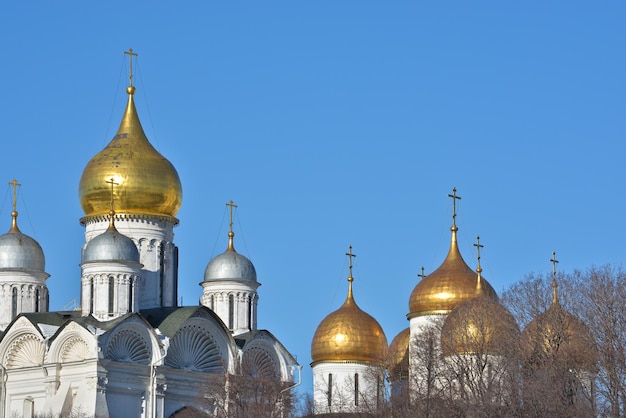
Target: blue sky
pixel 330 124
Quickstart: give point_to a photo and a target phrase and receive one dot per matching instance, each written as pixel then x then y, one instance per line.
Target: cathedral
pixel 129 350
pixel 463 353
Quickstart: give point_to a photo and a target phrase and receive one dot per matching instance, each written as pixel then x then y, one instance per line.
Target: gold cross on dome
pixel 478 246
pixel 454 199
pixel 351 255
pixel 131 54
pixel 554 261
pixel 15 185
pixel 232 205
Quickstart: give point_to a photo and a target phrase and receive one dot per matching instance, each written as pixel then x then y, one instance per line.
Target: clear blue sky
pixel 330 124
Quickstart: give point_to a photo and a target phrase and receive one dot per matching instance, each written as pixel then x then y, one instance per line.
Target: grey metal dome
pixel 19 251
pixel 111 246
pixel 230 265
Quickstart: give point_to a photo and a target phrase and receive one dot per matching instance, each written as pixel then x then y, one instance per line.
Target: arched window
pixel 356 389
pixel 250 313
pixel 37 304
pixel 14 303
pixel 92 297
pixel 330 389
pixel 231 312
pixel 111 294
pixel 131 294
pixel 211 303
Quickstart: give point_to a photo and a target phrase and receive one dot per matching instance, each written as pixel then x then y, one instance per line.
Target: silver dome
pixel 230 266
pixel 19 251
pixel 111 246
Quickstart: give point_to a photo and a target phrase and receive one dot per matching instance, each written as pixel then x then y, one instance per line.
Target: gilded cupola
pixel 450 284
pixel 148 182
pixel 349 334
pixel 558 336
pixel 480 324
pixel 398 362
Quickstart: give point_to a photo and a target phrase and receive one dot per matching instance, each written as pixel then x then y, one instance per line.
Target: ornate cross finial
pixel 349 254
pixel 421 275
pixel 15 185
pixel 454 199
pixel 231 205
pixel 478 246
pixel 554 262
pixel 131 54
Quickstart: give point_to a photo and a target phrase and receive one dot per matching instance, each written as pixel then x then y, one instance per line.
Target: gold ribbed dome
pixel 147 182
pixel 445 288
pixel 349 334
pixel 480 325
pixel 398 363
pixel 557 335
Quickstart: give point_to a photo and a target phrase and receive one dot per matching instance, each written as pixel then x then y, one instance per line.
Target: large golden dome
pixel 480 325
pixel 557 335
pixel 147 182
pixel 442 290
pixel 349 334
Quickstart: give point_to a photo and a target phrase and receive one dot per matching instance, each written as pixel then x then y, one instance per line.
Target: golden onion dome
pixel 147 183
pixel 349 335
pixel 557 335
pixel 398 363
pixel 480 325
pixel 445 288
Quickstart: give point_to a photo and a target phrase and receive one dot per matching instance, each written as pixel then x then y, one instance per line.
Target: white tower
pixel 22 276
pixel 147 199
pixel 230 287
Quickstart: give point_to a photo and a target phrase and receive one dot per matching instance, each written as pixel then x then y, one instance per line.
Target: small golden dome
pixel 480 325
pixel 148 182
pixel 445 288
pixel 398 363
pixel 348 335
pixel 557 335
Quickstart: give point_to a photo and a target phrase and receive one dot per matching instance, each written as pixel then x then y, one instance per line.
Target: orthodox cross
pixel 131 54
pixel 454 199
pixel 15 185
pixel 478 246
pixel 232 205
pixel 554 261
pixel 113 183
pixel 349 254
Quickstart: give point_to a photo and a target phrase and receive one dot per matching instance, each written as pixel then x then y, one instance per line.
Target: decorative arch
pixel 194 348
pixel 27 350
pixel 128 346
pixel 260 363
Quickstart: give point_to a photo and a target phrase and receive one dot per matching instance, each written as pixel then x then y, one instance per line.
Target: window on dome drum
pixel 250 313
pixel 231 311
pixel 330 389
pixel 36 300
pixel 91 296
pixel 211 307
pixel 131 291
pixel 111 293
pixel 14 303
pixel 356 389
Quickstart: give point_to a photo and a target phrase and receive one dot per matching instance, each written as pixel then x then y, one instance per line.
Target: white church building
pixel 129 350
